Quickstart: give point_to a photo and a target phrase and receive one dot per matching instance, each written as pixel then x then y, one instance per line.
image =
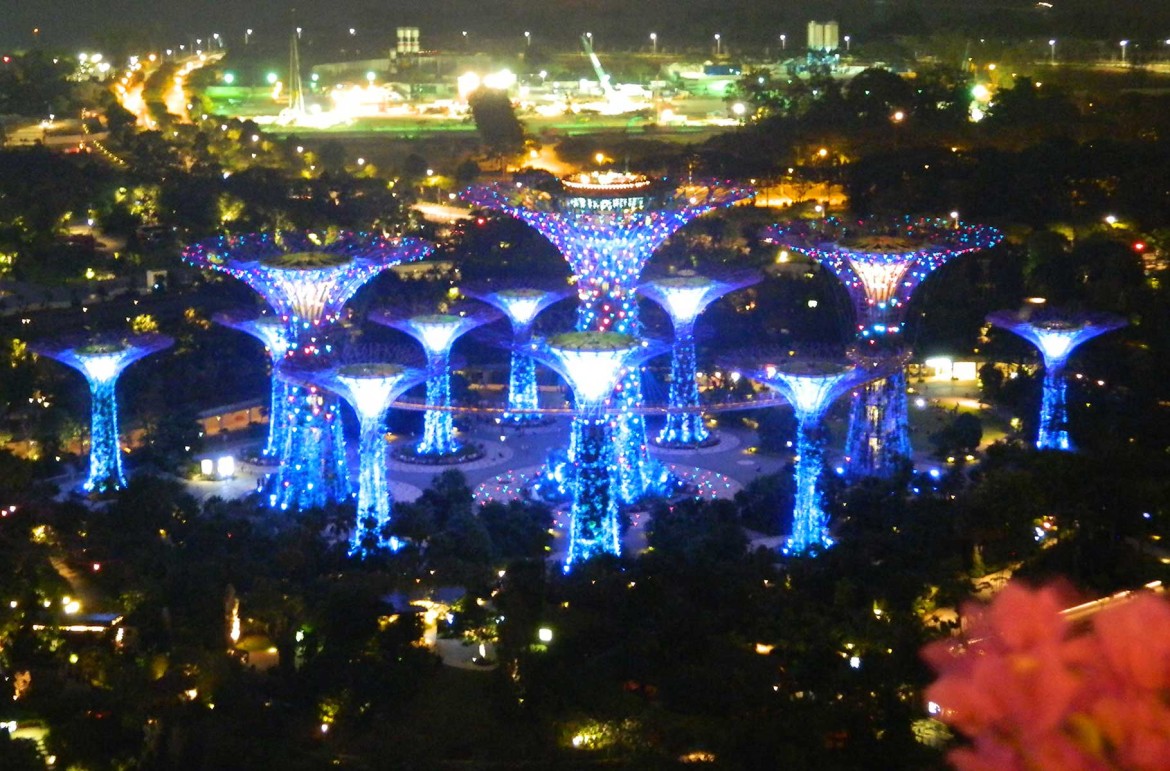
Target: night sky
pixel 166 22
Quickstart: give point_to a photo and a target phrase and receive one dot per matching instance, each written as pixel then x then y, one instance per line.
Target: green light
pixel 229 78
pixel 271 78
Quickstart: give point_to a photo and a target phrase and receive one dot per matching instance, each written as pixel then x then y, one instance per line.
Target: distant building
pixel 823 36
pixel 407 40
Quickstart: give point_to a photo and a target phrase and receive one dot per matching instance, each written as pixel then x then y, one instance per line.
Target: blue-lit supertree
pixel 607 225
pixel 1057 334
pixel 102 363
pixel 436 332
pixel 521 305
pixel 684 298
pixel 881 262
pixel 592 363
pixel 370 388
pixel 307 278
pixel 273 334
pixel 810 386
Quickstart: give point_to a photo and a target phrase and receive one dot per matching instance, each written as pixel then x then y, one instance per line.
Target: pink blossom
pixel 1032 691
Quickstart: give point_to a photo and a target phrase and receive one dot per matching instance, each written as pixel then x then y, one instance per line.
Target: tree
pixel 500 130
pixel 961 436
pixel 876 93
pixel 518 529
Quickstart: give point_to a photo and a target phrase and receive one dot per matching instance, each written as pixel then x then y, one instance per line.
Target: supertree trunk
pixel 878 443
pixel 684 423
pixel 809 520
pixel 374 498
pixel 105 456
pixel 438 424
pixel 595 508
pixel 1053 430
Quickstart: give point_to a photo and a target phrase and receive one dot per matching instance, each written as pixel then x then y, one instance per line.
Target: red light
pixel 7 59
pixel 1139 246
pixel 480 220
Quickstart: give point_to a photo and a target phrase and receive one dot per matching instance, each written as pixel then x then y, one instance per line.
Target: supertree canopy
pixel 273 334
pixel 370 388
pixel 684 298
pixel 1057 334
pixel 436 332
pixel 810 386
pixel 102 362
pixel 881 262
pixel 607 224
pixel 307 278
pixel 592 362
pixel 521 305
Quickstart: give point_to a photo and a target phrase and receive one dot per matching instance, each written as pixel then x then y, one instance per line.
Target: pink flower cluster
pixel 1034 691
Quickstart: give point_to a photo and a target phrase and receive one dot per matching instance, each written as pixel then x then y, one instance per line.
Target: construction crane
pixel 602 76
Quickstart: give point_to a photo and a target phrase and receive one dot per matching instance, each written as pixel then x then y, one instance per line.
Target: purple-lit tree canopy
pixel 307 278
pixel 436 333
pixel 606 225
pixel 1057 334
pixel 102 362
pixel 684 298
pixel 881 262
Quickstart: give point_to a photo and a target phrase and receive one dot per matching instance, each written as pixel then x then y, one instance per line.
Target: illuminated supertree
pixel 370 388
pixel 881 262
pixel 436 333
pixel 684 298
pixel 521 305
pixel 592 362
pixel 607 225
pixel 306 278
pixel 102 363
pixel 273 334
pixel 810 386
pixel 1057 334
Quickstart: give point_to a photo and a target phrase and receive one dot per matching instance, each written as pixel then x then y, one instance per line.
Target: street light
pixel 847 39
pixel 527 38
pixel 1052 51
pixel 783 42
pixel 1124 45
pixel 654 42
pixel 718 45
pixel 352 31
pixel 247 36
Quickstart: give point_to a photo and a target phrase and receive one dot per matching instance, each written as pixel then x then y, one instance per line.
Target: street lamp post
pixel 1052 51
pixel 718 44
pixel 1124 45
pixel 847 41
pixel 783 42
pixel 527 39
pixel 653 42
pixel 247 36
